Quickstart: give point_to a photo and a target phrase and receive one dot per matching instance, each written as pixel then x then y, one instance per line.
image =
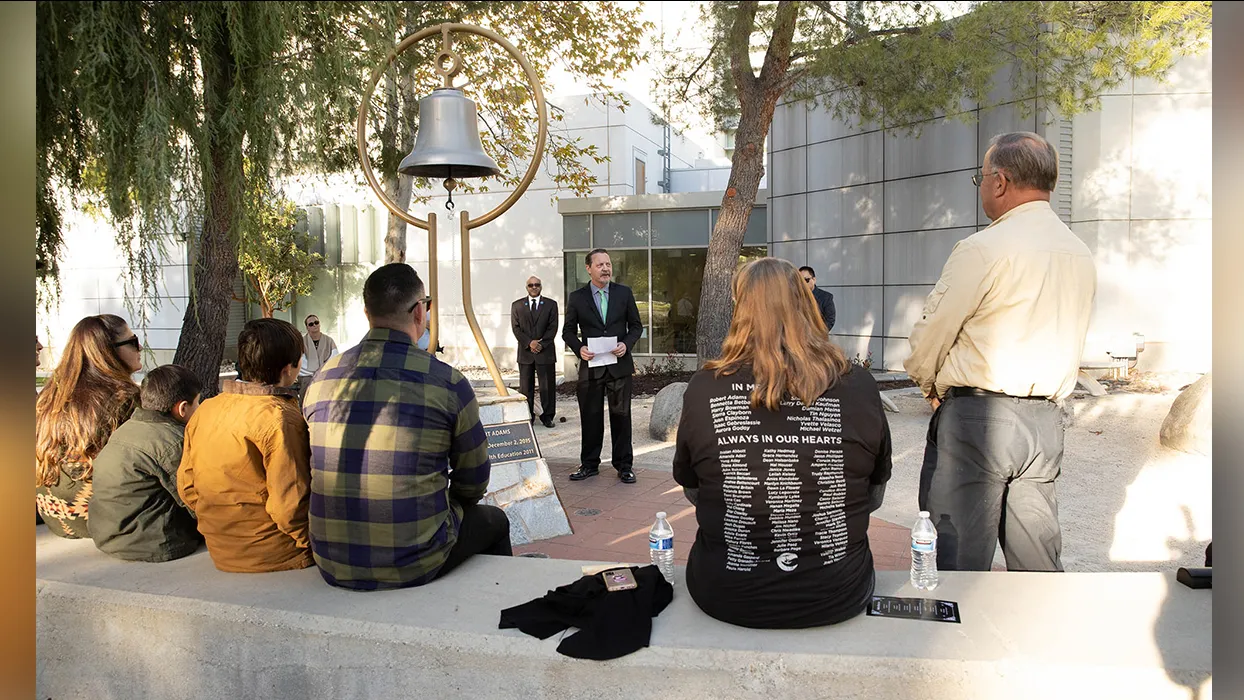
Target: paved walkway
pixel 610 520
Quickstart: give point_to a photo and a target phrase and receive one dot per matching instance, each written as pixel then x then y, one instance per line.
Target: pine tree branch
pixel 791 79
pixel 740 49
pixel 860 32
pixel 777 57
pixel 689 78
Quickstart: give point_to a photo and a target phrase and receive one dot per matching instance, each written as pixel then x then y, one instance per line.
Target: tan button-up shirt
pixel 1010 311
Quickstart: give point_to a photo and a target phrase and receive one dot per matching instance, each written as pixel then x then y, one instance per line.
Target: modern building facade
pixel 876 212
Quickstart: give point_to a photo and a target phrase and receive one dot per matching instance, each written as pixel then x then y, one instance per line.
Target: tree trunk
pixel 746 170
pixel 758 96
pixel 400 118
pixel 398 188
pixel 202 342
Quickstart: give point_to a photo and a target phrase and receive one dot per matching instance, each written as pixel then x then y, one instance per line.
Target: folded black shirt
pixel 611 623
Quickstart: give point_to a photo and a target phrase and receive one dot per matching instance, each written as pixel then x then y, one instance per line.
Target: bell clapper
pixel 450 185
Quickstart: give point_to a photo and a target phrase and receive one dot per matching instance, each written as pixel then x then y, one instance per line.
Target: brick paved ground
pixel 610 520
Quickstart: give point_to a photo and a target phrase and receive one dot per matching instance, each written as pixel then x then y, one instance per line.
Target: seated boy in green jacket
pixel 136 513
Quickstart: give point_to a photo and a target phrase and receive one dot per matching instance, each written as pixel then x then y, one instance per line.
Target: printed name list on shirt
pixel 784 500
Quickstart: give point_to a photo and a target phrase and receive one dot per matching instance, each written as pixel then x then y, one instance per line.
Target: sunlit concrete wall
pixel 1142 202
pixel 94 281
pixel 876 212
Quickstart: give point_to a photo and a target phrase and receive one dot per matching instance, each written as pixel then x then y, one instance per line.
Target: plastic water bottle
pixel 924 553
pixel 661 546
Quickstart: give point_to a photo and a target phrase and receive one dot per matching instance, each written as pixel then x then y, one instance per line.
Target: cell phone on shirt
pixel 619 580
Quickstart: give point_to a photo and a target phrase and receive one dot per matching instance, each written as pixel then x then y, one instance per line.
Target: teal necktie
pixel 604 304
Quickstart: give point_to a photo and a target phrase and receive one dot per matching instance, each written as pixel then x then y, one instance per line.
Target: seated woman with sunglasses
pixel 246 470
pixel 89 394
pixel 784 449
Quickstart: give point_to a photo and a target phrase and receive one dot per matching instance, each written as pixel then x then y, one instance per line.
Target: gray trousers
pixel 988 477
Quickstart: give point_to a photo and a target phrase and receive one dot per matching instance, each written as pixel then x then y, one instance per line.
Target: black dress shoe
pixel 626 475
pixel 584 473
pixel 548 422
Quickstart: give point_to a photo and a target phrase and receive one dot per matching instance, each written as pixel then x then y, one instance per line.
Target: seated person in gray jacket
pixel 136 513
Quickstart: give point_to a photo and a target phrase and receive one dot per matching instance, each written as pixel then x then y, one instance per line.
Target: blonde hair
pixel 777 330
pixel 89 394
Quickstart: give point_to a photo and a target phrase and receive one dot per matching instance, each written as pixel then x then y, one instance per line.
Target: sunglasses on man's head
pixel 426 301
pixel 131 341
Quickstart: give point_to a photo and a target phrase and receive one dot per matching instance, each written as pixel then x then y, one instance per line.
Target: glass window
pixel 575 232
pixel 677 276
pixel 750 253
pixel 628 230
pixel 686 228
pixel 630 268
pixel 757 232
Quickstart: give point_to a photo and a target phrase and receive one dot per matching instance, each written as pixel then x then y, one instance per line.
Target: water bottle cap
pixel 661 515
pixel 924 514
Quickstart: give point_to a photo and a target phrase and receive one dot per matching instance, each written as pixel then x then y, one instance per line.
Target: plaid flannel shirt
pixel 397 450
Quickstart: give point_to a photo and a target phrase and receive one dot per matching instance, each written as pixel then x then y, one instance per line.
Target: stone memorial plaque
pixel 511 442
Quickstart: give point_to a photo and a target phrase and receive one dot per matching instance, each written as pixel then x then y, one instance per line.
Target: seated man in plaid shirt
pixel 399 460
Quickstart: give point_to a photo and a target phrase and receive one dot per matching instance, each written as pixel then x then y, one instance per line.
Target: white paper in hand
pixel 603 349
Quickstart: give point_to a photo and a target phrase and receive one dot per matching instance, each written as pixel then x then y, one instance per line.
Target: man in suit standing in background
pixel 824 300
pixel 600 309
pixel 534 320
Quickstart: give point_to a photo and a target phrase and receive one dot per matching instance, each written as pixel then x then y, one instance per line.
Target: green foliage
pixel 900 63
pixel 668 365
pixel 143 106
pixel 865 363
pixel 273 254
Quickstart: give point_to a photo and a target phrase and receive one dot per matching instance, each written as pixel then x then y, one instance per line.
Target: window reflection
pixel 677 277
pixel 630 268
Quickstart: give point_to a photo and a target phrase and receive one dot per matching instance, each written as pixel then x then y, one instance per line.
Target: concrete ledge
pixel 109 629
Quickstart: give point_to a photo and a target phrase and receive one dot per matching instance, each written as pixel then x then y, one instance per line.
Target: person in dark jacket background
pixel 136 512
pixel 824 299
pixel 534 320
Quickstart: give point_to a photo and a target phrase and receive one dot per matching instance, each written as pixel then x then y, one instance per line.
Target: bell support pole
pixel 467 223
pixel 470 308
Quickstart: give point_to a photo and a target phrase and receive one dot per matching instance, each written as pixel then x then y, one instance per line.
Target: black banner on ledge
pixel 914 608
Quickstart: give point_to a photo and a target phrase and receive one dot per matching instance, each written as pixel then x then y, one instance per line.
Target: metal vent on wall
pixel 1062 193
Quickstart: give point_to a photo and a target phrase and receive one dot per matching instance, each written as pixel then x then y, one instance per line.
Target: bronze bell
pixel 447 144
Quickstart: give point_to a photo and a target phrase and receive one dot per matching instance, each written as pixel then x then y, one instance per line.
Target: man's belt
pixel 973 391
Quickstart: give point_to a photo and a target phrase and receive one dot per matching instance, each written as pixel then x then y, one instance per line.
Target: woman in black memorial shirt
pixel 785 450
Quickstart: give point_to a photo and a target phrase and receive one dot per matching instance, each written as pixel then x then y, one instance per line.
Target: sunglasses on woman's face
pixel 131 341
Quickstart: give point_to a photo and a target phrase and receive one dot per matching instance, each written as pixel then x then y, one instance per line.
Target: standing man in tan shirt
pixel 995 352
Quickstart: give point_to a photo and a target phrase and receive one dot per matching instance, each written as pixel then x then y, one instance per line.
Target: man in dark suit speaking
pixel 603 309
pixel 534 320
